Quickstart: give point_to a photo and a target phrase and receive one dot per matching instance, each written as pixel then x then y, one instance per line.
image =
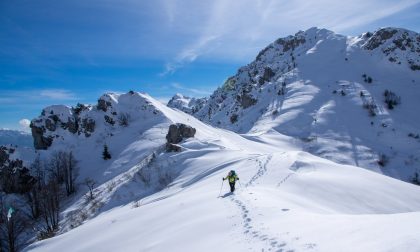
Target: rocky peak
pixel 111 111
pixel 279 64
pixel 189 105
pixel 400 46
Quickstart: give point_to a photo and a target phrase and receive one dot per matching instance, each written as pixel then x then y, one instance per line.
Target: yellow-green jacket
pixel 231 178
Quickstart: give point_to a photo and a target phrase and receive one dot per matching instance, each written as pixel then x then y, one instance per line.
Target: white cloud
pixel 58 94
pixel 13 97
pixel 24 124
pixel 189 54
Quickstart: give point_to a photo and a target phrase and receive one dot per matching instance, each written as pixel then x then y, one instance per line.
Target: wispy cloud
pixel 194 91
pixel 189 54
pixel 13 97
pixel 236 30
pixel 58 94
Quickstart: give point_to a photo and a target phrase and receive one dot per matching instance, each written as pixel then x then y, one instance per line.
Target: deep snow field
pixel 286 198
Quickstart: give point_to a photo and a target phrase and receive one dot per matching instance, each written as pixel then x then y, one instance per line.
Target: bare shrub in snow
pixel 90 183
pixel 371 107
pixel 391 99
pixel 110 186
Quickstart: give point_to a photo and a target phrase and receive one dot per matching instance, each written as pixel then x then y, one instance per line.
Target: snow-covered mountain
pixel 16 138
pixel 350 99
pixel 125 123
pixel 187 104
pixel 286 199
pixel 315 92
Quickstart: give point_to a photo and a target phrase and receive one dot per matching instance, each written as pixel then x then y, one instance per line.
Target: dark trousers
pixel 232 186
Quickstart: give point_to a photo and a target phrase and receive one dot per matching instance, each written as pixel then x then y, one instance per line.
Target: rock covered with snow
pixel 189 105
pixel 111 112
pixel 399 46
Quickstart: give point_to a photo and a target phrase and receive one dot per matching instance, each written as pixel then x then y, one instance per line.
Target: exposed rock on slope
pixel 111 112
pixel 176 133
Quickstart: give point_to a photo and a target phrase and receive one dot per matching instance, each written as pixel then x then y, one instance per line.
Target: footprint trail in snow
pixel 257 233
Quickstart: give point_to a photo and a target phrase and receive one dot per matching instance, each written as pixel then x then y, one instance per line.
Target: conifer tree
pixel 105 154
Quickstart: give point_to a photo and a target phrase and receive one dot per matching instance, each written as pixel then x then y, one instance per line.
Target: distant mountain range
pixel 16 138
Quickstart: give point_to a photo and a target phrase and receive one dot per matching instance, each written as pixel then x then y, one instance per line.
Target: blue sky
pixel 65 52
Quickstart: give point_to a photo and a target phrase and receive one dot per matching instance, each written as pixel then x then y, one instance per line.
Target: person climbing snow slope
pixel 232 177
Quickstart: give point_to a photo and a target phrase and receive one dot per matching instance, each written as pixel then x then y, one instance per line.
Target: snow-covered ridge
pixel 330 91
pixel 189 105
pixel 112 111
pixel 399 46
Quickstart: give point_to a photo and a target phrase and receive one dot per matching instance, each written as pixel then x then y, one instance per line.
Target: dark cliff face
pixel 40 141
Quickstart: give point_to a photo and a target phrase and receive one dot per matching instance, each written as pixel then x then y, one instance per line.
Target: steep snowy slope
pixel 350 99
pixel 133 145
pixel 127 123
pixel 286 200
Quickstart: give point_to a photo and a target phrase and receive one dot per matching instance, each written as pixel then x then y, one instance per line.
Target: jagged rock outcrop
pixel 56 122
pixel 40 141
pixel 398 45
pixel 176 133
pixel 14 176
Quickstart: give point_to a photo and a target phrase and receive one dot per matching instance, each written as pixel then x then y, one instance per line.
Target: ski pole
pixel 221 188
